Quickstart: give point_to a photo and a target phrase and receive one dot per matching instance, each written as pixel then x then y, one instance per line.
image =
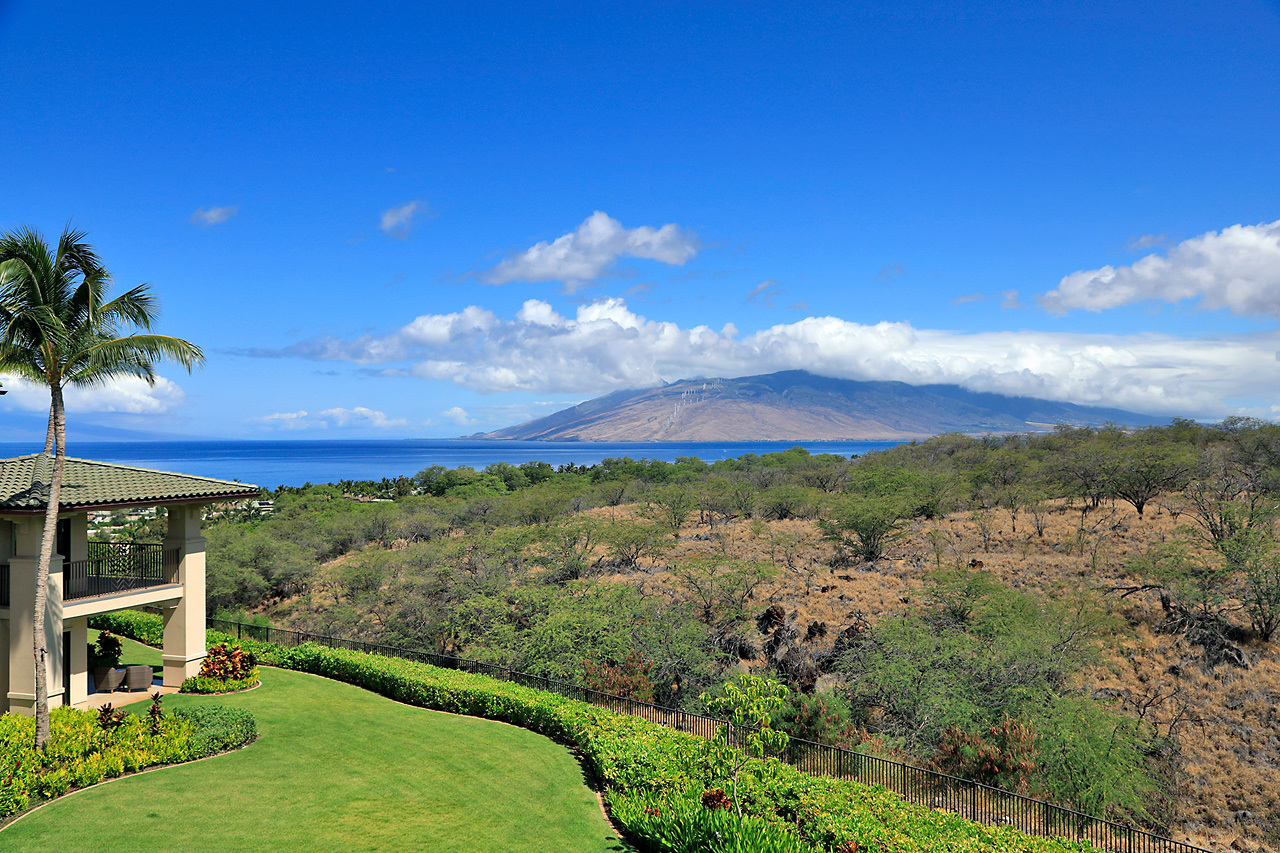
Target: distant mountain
pixel 27 427
pixel 795 405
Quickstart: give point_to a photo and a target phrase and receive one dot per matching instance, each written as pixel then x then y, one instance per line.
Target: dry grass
pixel 1225 774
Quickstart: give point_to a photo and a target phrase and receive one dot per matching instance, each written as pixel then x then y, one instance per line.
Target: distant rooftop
pixel 24 485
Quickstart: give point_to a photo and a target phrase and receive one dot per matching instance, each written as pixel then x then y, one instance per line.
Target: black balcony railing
pixel 119 567
pixel 4 584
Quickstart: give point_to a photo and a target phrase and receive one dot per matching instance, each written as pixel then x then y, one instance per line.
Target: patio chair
pixel 106 679
pixel 138 677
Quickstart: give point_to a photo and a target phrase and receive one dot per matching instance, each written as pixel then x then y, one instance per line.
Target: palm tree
pixel 59 330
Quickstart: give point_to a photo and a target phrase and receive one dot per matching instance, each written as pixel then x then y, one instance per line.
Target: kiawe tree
pixel 59 329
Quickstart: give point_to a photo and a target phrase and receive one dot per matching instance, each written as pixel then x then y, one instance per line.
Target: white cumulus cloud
pixel 336 418
pixel 605 346
pixel 127 395
pixel 457 415
pixel 1237 268
pixel 213 215
pixel 397 221
pixel 590 252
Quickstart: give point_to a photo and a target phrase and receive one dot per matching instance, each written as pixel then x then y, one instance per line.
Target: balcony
pixel 112 567
pixel 115 567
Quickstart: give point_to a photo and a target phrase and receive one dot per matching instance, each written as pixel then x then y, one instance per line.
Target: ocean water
pixel 293 463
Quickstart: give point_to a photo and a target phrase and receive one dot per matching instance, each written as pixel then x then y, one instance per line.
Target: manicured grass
pixel 135 652
pixel 338 768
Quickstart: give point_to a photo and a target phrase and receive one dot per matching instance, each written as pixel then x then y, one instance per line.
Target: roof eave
pixel 122 504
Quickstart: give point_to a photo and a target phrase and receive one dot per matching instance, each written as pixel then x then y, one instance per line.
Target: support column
pixel 79 629
pixel 22 599
pixel 184 623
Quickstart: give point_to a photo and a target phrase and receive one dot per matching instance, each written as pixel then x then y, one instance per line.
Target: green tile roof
pixel 24 485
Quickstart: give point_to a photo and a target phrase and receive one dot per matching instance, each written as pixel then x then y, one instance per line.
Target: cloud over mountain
pixel 606 346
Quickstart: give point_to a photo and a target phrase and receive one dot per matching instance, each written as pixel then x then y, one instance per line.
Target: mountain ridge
pixel 795 405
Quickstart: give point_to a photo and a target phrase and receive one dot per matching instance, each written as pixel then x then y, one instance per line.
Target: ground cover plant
pixel 84 747
pixel 337 768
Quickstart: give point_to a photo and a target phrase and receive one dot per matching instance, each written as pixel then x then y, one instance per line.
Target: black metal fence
pixel 119 567
pixel 965 797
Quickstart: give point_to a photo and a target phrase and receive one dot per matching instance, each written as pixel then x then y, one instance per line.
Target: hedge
pixel 147 628
pixel 646 763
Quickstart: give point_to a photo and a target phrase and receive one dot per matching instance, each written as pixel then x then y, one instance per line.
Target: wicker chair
pixel 138 677
pixel 106 679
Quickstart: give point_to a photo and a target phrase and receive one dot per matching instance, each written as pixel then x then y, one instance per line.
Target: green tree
pixel 671 506
pixel 748 704
pixel 864 527
pixel 1256 555
pixel 720 586
pixel 1144 466
pixel 629 541
pixel 1196 581
pixel 60 329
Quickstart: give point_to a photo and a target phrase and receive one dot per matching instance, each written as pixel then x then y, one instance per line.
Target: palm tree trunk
pixel 49 433
pixel 58 419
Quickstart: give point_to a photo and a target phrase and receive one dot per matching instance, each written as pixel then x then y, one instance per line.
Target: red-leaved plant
pixel 227 662
pixel 629 679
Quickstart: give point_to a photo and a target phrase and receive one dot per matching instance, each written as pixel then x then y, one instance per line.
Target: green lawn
pixel 337 768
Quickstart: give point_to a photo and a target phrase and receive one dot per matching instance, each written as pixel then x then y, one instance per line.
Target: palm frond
pixel 153 347
pixel 137 307
pixel 57 326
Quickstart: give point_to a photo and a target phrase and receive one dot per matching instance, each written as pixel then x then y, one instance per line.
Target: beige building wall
pixel 23 562
pixel 184 623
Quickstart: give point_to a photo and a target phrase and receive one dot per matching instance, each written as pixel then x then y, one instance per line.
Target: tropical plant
pixel 59 329
pixel 748 705
pixel 106 651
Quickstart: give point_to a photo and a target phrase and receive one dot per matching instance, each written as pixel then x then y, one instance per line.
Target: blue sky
pixel 436 219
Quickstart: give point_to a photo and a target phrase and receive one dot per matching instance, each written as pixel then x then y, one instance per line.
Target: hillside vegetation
pixel 1087 615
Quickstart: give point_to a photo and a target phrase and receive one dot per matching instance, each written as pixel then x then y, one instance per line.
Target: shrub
pixel 629 679
pixel 110 718
pixel 217 728
pixel 228 663
pixel 146 628
pixel 203 685
pixel 82 752
pixel 819 718
pixel 1004 756
pixel 155 714
pixel 683 824
pixel 106 651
